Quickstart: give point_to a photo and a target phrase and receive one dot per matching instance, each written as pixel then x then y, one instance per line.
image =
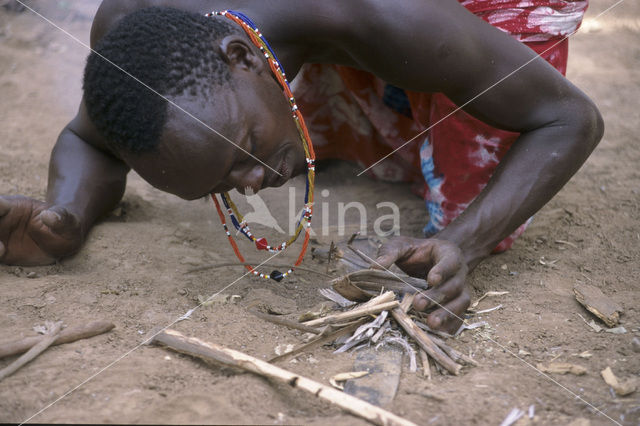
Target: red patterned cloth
pixel 531 20
pixel 354 116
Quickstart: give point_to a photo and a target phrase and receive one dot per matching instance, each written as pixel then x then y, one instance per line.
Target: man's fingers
pixel 447 265
pixel 383 262
pixel 52 219
pixel 3 250
pixel 5 206
pixel 449 317
pixel 387 256
pixel 438 295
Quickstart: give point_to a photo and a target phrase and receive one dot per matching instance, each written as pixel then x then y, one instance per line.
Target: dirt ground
pixel 132 270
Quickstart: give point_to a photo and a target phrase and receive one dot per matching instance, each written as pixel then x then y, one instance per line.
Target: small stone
pixel 183 292
pixel 32 275
pixel 504 267
pixel 635 344
pixel 617 330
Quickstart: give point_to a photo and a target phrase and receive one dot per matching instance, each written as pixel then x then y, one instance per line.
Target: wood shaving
pixel 487 294
pixel 621 388
pixel 562 368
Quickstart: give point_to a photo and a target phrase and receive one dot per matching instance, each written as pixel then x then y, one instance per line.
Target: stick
pixel 360 254
pixel 353 314
pixel 454 354
pixel 223 265
pixel 332 248
pixel 66 336
pixel 33 352
pixel 229 357
pixel 407 301
pixel 426 368
pixel 425 341
pixel 287 323
pixel 385 297
pixel 321 339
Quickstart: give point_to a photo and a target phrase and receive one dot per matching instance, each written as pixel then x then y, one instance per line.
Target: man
pixel 414 49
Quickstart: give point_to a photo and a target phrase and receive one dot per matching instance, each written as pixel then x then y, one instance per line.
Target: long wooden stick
pixel 223 265
pixel 425 341
pixel 214 353
pixel 33 352
pixel 353 314
pixel 68 335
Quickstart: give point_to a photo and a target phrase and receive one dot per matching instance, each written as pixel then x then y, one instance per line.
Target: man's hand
pixel 442 264
pixel 32 233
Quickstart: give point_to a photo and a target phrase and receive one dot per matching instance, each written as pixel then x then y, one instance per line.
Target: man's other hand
pixel 442 264
pixel 32 233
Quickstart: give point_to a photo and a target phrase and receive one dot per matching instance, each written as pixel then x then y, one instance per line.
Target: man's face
pixel 191 161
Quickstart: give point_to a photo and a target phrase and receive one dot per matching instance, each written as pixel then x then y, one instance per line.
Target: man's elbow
pixel 588 122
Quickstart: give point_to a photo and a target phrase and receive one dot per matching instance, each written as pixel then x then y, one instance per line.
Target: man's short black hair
pixel 171 51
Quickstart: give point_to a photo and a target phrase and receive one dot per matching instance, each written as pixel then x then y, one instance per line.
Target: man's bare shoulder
pixel 111 11
pixel 82 126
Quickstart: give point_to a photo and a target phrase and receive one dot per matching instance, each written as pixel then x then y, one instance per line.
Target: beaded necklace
pixel 236 218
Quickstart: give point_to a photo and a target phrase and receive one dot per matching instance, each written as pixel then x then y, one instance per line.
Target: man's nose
pixel 243 178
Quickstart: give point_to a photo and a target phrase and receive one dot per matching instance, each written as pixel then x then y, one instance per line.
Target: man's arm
pixel 84 177
pixel 85 182
pixel 438 46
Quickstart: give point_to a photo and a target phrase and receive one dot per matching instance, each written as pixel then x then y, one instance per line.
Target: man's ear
pixel 238 52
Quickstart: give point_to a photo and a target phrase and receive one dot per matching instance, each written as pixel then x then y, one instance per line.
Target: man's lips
pixel 272 180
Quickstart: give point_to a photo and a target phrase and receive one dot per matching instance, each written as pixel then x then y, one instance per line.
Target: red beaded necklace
pixel 305 220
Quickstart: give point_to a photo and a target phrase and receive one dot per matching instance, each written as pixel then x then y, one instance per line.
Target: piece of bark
pixel 32 353
pixel 425 342
pixel 598 304
pixel 379 387
pixel 352 314
pixel 68 335
pixel 211 352
pixel 562 368
pixel 346 288
pixel 361 285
